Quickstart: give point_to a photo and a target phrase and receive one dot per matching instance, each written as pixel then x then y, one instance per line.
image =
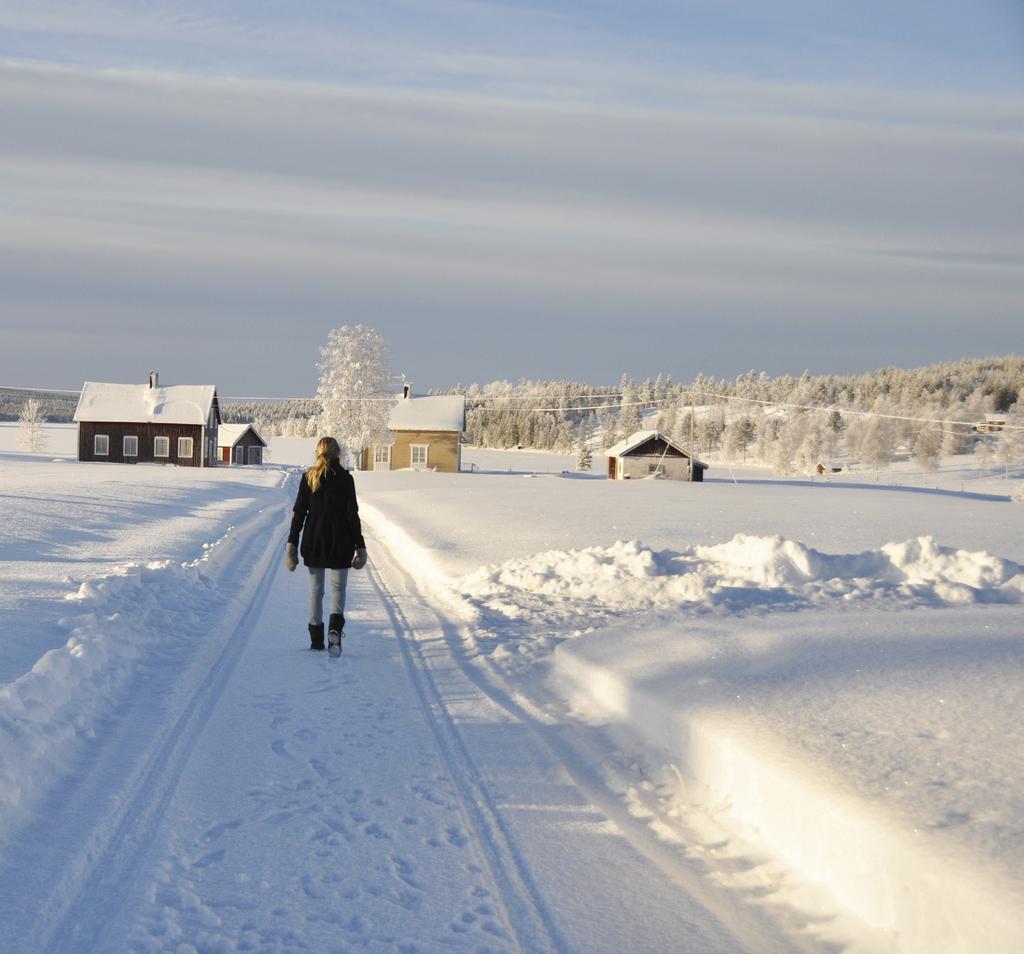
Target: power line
pixel 500 408
pixel 734 397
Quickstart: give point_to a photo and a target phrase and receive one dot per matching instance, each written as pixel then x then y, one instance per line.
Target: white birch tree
pixel 875 448
pixel 928 447
pixel 356 389
pixel 31 418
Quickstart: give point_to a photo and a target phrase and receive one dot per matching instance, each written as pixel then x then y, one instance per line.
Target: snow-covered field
pixel 572 714
pixel 832 670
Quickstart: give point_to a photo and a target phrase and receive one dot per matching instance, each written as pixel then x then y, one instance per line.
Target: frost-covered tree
pixel 31 418
pixel 834 428
pixel 741 435
pixel 584 455
pixel 629 418
pixel 356 388
pixel 613 431
pixel 711 429
pixel 984 456
pixel 875 447
pixel 786 447
pixel 1010 449
pixel 928 447
pixel 809 453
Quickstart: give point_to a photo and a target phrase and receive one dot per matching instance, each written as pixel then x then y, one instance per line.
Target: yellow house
pixel 426 432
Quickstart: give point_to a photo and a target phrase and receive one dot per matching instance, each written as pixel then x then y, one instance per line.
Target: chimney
pixel 153 379
pixel 407 390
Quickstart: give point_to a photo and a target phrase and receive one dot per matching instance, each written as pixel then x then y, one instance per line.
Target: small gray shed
pixel 240 444
pixel 652 454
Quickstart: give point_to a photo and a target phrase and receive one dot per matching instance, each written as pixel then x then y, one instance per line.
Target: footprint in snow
pixel 211 859
pixel 456 837
pixel 318 766
pixel 213 833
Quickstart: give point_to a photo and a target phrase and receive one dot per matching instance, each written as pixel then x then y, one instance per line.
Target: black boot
pixel 316 636
pixel 334 633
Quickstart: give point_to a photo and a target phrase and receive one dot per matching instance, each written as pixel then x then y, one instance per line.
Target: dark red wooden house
pixel 147 423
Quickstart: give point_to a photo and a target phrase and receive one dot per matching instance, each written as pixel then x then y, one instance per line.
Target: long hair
pixel 327 450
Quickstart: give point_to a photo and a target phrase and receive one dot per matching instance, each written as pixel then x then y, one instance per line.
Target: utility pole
pixel 693 413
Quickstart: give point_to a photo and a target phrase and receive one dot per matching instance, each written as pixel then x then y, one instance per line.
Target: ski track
pixel 118 860
pixel 535 925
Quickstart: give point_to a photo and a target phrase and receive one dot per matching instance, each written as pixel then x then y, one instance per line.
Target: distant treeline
pixel 55 405
pixel 59 408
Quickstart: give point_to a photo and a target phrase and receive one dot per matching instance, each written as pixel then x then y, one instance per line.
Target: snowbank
pixel 878 755
pixel 867 739
pixel 139 610
pixel 746 572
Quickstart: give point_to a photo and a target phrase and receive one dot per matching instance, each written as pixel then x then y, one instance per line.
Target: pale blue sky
pixel 507 189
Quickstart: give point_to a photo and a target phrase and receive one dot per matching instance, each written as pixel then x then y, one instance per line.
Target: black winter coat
pixel 332 530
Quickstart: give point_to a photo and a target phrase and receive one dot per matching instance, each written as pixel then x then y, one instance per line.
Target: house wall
pixel 639 467
pixel 444 452
pixel 672 468
pixel 87 430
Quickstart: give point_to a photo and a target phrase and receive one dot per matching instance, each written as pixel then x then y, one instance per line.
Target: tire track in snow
pixel 110 866
pixel 526 911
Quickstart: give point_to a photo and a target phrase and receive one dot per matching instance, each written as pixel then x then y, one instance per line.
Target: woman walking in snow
pixel 327 516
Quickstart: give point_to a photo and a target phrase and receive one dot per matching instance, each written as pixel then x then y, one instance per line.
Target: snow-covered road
pixel 248 795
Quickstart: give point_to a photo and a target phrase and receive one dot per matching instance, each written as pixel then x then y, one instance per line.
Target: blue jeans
pixel 316 593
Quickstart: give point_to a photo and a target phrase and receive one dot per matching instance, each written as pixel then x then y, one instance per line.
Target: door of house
pixel 611 467
pixel 382 458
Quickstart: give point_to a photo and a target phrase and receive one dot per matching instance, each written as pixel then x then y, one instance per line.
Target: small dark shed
pixel 651 454
pixel 240 444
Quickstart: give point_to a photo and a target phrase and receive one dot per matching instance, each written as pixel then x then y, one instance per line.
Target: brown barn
pixel 239 444
pixel 652 454
pixel 426 432
pixel 140 423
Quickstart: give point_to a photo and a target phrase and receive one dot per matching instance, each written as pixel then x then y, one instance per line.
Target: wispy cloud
pixel 744 216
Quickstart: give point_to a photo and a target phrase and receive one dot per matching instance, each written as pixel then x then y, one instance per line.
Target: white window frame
pixel 98 441
pixel 134 452
pixel 382 457
pixel 191 447
pixel 254 455
pixel 412 456
pixel 166 446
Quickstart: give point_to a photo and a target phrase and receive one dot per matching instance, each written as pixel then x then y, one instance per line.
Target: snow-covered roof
pixel 446 412
pixel 141 404
pixel 641 437
pixel 229 434
pixel 635 440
